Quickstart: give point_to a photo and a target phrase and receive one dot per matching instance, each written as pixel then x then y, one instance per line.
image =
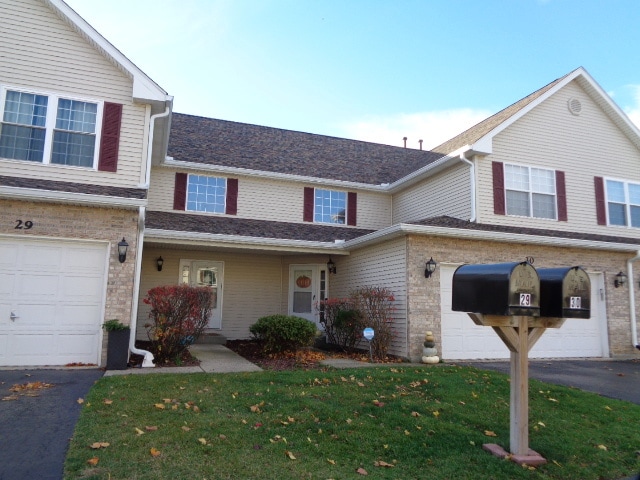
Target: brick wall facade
pixel 424 294
pixel 88 223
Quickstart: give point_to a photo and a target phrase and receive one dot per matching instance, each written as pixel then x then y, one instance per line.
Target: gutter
pixel 472 182
pixel 38 195
pixel 461 233
pixel 632 301
pixel 152 123
pixel 148 356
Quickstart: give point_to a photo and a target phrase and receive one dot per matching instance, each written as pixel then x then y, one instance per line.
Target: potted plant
pixel 117 344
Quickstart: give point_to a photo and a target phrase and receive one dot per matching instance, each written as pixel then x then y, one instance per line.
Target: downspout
pixel 148 356
pixel 632 300
pixel 152 122
pixel 472 175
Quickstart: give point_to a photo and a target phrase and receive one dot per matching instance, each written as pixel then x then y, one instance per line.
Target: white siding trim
pixel 38 195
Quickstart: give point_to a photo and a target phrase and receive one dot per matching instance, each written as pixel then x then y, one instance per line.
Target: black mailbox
pixel 565 292
pixel 497 289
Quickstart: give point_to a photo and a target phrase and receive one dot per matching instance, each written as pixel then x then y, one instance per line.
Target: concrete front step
pixel 211 338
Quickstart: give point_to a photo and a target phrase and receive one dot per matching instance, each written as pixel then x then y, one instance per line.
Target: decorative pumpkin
pixel 303 281
pixel 433 359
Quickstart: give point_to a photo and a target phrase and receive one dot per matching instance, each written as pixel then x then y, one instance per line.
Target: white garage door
pixel 51 301
pixel 464 340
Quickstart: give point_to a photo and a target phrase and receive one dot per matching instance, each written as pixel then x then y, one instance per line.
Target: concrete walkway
pixel 213 359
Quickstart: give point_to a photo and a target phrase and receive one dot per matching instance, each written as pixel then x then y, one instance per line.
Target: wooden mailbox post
pixel 520 303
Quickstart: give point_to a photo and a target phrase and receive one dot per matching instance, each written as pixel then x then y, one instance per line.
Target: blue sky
pixel 371 70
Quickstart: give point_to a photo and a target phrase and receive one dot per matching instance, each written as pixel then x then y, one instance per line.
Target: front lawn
pixel 392 422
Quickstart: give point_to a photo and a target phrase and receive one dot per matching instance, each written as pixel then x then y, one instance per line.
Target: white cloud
pixel 433 127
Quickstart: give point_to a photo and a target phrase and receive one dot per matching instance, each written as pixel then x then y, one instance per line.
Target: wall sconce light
pixel 122 250
pixel 331 267
pixel 430 268
pixel 620 280
pixel 159 263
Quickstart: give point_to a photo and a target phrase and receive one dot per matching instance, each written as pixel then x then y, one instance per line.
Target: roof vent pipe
pixel 405 141
pixel 420 142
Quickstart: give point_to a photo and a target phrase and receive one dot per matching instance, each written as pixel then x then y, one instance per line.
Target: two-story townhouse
pixel 264 215
pixel 78 124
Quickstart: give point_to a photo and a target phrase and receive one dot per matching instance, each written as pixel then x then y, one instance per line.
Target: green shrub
pixel 283 332
pixel 342 323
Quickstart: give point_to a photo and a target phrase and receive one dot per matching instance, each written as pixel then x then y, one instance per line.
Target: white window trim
pixel 186 200
pixel 530 192
pixel 52 111
pixel 627 201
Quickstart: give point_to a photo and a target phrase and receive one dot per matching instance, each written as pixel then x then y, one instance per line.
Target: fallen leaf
pixel 106 401
pixel 166 400
pixel 541 424
pixel 289 454
pixel 154 452
pixel 97 445
pixel 362 471
pixel 139 432
pixel 436 414
pixel 607 407
pixel 415 414
pixel 93 461
pixel 186 429
pixel 407 432
pixel 80 401
pixel 603 447
pixel 150 429
pixel 332 462
pixel 489 433
pixel 203 441
pixel 380 463
pixel 360 384
pixel 160 406
pixel 222 437
pixel 196 409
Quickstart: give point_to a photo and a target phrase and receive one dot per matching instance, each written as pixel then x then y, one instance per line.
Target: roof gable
pixel 479 138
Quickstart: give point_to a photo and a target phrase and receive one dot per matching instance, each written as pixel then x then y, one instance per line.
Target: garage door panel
pixel 80 316
pixel 80 286
pixel 41 257
pixel 35 315
pixel 36 284
pixel 57 288
pixel 8 256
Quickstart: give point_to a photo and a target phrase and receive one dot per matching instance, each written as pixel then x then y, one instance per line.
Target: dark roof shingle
pixel 41 184
pixel 245 227
pixel 220 142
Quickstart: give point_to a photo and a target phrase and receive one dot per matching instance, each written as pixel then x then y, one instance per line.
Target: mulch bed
pixel 308 358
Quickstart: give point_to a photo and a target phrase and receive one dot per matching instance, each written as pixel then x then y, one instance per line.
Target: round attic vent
pixel 575 107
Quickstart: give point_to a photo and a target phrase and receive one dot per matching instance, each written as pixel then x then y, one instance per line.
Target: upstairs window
pixel 530 192
pixel 206 194
pixel 329 206
pixel 51 129
pixel 623 203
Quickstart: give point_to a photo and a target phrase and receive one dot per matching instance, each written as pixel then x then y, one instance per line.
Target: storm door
pixel 203 273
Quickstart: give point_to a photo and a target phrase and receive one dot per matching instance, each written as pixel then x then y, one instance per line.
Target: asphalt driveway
pixel 37 422
pixel 610 378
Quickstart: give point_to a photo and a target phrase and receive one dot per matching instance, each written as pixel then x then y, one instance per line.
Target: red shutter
pixel 601 206
pixel 110 139
pixel 232 196
pixel 180 192
pixel 352 208
pixel 561 195
pixel 498 188
pixel 307 214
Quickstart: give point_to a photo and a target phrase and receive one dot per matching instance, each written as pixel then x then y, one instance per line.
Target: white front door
pixel 307 286
pixel 51 301
pixel 203 273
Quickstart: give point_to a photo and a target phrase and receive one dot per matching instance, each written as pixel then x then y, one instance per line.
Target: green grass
pixel 429 422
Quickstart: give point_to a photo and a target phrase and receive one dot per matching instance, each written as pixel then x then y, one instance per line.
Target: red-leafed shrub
pixel 179 314
pixel 344 319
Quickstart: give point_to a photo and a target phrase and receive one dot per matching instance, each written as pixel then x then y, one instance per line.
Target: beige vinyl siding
pixel 382 265
pixel 251 286
pixel 270 200
pixel 41 53
pixel 448 193
pixel 582 146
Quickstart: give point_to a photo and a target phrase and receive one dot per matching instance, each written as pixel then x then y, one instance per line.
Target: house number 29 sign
pixel 22 225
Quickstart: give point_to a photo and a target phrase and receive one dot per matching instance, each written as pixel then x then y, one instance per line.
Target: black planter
pixel 118 349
